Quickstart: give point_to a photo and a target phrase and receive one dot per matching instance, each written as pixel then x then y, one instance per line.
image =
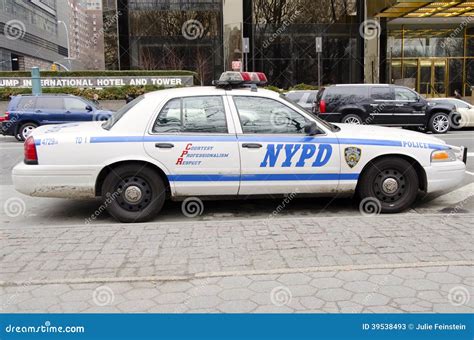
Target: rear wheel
pixel 133 193
pixel 25 130
pixel 352 119
pixel 439 123
pixel 392 182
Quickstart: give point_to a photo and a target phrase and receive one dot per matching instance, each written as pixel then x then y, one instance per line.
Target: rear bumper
pixel 54 181
pixel 332 117
pixel 444 176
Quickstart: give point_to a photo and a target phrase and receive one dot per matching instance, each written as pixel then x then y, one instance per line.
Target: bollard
pixel 35 80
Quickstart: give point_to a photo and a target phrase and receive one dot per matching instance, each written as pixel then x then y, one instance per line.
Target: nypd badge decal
pixel 352 155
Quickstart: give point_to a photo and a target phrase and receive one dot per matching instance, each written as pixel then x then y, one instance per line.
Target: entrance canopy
pixel 426 9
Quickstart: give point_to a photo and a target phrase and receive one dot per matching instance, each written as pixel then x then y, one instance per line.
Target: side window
pixel 405 94
pixel 26 104
pixel 381 93
pixel 204 114
pixel 263 115
pixel 74 104
pixel 311 98
pixel 49 103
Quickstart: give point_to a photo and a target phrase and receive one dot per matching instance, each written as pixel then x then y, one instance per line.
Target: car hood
pixel 353 131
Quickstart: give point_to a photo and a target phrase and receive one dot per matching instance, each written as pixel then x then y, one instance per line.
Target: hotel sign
pixel 98 82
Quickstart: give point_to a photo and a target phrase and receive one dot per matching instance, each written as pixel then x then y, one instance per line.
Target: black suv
pixel 382 104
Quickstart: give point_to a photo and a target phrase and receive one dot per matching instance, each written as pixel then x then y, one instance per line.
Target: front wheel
pixel 133 193
pixel 439 123
pixel 392 182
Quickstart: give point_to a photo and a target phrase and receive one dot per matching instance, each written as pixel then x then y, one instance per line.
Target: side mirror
pixel 311 129
pixel 89 108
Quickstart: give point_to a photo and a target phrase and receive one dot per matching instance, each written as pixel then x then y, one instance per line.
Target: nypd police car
pixel 231 140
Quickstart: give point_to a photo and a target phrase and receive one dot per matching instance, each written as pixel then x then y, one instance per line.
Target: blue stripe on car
pixel 345 141
pixel 262 177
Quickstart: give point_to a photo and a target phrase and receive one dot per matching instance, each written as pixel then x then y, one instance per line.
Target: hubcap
pixel 390 185
pixel 352 120
pixel 27 131
pixel 133 194
pixel 441 123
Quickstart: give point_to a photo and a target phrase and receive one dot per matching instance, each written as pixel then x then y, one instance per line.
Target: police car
pixel 231 140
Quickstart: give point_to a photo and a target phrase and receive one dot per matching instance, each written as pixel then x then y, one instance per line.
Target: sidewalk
pixel 391 262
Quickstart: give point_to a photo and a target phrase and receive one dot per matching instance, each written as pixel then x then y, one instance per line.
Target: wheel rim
pixel 390 186
pixel 440 123
pixel 352 120
pixel 27 130
pixel 133 193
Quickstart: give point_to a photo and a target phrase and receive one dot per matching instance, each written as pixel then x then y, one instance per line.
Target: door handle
pixel 164 145
pixel 399 105
pixel 252 145
pixel 38 111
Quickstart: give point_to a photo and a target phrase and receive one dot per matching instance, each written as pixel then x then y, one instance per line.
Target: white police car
pixel 229 140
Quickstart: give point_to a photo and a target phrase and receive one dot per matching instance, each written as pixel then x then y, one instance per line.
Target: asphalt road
pixel 50 211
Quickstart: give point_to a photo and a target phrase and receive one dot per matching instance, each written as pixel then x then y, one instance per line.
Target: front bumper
pixel 444 176
pixel 53 181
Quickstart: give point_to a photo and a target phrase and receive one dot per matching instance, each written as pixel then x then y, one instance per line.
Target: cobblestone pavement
pixel 404 263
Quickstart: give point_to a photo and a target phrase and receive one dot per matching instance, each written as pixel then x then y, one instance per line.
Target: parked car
pixel 382 104
pixel 305 99
pixel 27 112
pixel 465 110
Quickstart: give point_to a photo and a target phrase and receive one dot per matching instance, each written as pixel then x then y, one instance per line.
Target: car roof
pixel 209 91
pixel 368 85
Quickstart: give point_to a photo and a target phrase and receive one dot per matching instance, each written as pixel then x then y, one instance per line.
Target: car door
pixel 410 108
pixel 277 156
pixel 49 110
pixel 75 110
pixel 196 142
pixel 382 105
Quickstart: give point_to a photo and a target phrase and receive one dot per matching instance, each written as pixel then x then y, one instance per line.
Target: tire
pixel 439 123
pixel 402 184
pixel 133 193
pixel 18 137
pixel 352 119
pixel 25 130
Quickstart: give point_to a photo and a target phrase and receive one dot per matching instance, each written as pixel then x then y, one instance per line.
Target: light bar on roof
pixel 242 78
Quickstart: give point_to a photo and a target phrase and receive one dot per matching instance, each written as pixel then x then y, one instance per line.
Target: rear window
pixel 346 93
pixel 381 93
pixel 26 104
pixel 295 96
pixel 49 103
pixel 108 124
pixel 312 98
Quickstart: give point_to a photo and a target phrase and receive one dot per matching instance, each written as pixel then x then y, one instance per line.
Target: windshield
pixel 109 123
pixel 328 125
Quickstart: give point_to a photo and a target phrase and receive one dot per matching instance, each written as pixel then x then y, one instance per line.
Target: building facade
pixel 29 34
